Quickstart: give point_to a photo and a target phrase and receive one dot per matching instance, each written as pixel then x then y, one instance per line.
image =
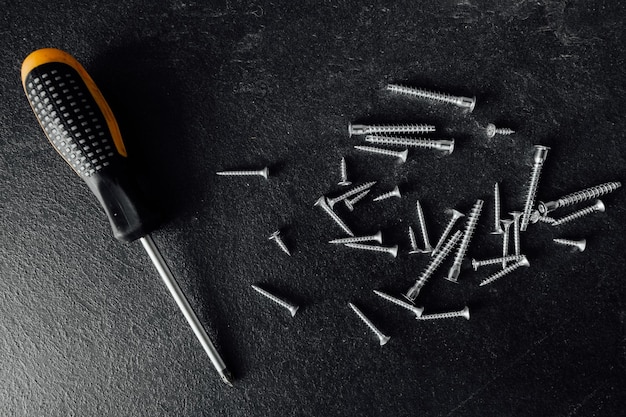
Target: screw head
pixel 448 146
pixel 378 237
pixel 393 251
pixel 265 172
pixel 475 264
pixel 274 235
pixel 582 244
pixel 524 261
pixel 599 206
pixel 465 313
pixel 321 202
pixel 384 340
pixel 490 130
pixel 293 310
pixel 541 153
pixel 403 155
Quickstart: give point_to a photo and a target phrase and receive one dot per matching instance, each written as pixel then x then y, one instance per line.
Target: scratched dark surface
pixel 86 326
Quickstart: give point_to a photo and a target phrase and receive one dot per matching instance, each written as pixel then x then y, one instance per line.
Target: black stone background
pixel 87 327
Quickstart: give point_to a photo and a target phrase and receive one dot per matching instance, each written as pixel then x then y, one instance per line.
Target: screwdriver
pixel 82 128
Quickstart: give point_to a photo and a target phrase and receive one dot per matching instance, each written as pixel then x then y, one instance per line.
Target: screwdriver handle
pixel 82 128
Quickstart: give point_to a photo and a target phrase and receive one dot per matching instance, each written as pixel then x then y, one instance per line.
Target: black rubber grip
pixel 78 130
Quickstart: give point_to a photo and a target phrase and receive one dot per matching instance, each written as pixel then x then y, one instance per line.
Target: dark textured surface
pixel 86 326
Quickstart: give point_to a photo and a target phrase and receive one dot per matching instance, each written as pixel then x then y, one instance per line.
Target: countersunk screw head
pixel 599 206
pixel 465 313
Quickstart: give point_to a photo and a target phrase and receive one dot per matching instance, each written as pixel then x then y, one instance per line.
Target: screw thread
pixel 576 215
pixel 344 172
pixel 541 153
pixel 324 205
pixel 281 244
pixel 275 299
pixel 262 173
pixel 439 144
pixel 368 322
pixel 357 239
pixel 418 92
pixel 504 131
pixel 413 240
pixel 516 235
pixel 417 310
pixel 393 193
pixel 351 192
pixel 446 232
pixel 470 226
pixel 505 241
pixel 448 315
pixel 403 128
pixel 493 261
pixel 422 222
pixel 568 242
pixel 497 228
pixel 587 194
pixel 391 250
pixel 381 151
pixel 505 271
pixel 359 197
pixel 436 261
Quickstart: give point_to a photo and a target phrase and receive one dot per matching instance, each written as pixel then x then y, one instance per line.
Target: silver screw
pixel 351 202
pixel 291 307
pixel 578 197
pixel 497 227
pixel 598 206
pixel 344 173
pixel 536 217
pixel 492 130
pixel 461 313
pixel 323 203
pixel 350 193
pixel 505 271
pixel 420 215
pixel 375 129
pixel 414 291
pixel 378 237
pixel 415 310
pixel 381 337
pixel 511 258
pixel 472 219
pixel 392 250
pixel 579 245
pixel 541 153
pixel 261 173
pixel 505 240
pixel 445 145
pixel 414 248
pixel 464 102
pixel 517 215
pixel 455 216
pixel 275 237
pixel 393 193
pixel 400 155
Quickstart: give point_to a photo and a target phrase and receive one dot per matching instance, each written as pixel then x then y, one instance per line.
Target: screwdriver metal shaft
pixel 186 309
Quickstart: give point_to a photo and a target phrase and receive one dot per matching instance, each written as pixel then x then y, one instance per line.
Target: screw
pixel 492 130
pixel 350 193
pixel 381 337
pixel 400 155
pixel 598 206
pixel 511 258
pixel 464 102
pixel 472 219
pixel 507 270
pixel 374 129
pixel 393 250
pixel 505 239
pixel 580 245
pixel 261 173
pixel 414 291
pixel 378 237
pixel 536 217
pixel 323 203
pixel 344 173
pixel 578 197
pixel 275 237
pixel 497 228
pixel 516 237
pixel 420 215
pixel 414 248
pixel 393 193
pixel 541 153
pixel 455 216
pixel 461 313
pixel 351 202
pixel 291 307
pixel 445 145
pixel 416 310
